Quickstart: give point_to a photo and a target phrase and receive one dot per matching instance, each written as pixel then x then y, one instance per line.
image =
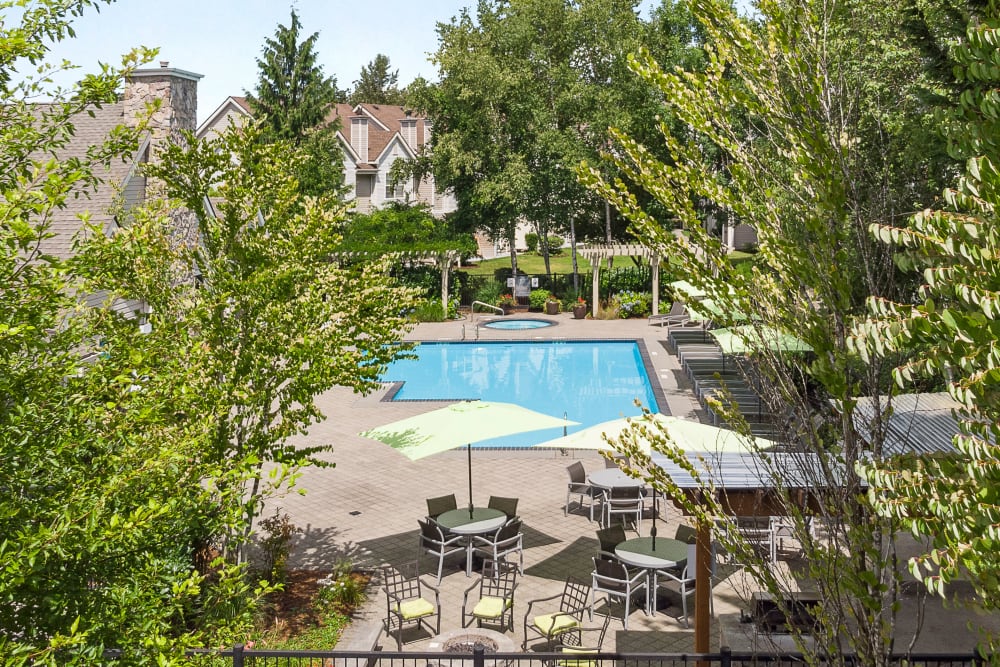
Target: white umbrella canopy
pixel 689 435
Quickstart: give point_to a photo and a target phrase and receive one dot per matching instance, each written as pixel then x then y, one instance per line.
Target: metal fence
pixel 240 656
pixel 612 281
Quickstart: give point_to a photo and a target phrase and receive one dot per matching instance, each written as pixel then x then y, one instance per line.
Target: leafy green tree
pixel 292 98
pixel 796 128
pixel 377 85
pixel 109 511
pixel 948 334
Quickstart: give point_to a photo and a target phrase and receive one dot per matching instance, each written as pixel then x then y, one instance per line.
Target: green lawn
pixel 531 264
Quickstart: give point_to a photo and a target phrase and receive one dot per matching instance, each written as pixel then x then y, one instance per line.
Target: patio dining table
pixel 640 552
pixel 484 521
pixel 612 478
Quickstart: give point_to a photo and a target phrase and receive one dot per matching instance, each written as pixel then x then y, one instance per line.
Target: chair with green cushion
pixel 407 603
pixel 438 506
pixel 582 645
pixel 506 505
pixel 495 601
pixel 433 541
pixel 566 614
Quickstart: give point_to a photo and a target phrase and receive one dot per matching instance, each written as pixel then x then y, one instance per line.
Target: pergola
pixel 443 259
pixel 596 254
pixel 746 486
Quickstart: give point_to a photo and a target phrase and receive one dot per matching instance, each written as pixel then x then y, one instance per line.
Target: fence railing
pixel 240 656
pixel 612 281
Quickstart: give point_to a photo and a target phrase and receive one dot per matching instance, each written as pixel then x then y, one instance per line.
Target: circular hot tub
pixel 518 324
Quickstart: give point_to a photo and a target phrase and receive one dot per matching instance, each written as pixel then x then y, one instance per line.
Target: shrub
pixel 277 545
pixel 537 298
pixel 631 304
pixel 489 292
pixel 555 244
pixel 342 591
pixel 531 241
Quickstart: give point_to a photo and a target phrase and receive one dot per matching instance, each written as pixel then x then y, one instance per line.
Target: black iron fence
pixel 240 656
pixel 612 281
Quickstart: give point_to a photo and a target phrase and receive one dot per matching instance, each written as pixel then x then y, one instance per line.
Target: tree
pixel 292 98
pixel 797 128
pixel 947 334
pixel 109 510
pixel 377 84
pixel 525 92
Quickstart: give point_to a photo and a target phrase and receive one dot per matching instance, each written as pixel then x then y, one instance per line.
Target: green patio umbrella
pixel 708 309
pixel 748 338
pixel 688 434
pixel 687 290
pixel 460 424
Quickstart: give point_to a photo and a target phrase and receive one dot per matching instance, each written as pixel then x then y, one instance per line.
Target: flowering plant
pixel 506 300
pixel 581 301
pixel 552 298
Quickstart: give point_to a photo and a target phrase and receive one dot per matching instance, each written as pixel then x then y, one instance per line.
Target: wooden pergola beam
pixel 595 254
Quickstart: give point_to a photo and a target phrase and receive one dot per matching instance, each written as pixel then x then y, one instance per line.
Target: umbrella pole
pixel 469 449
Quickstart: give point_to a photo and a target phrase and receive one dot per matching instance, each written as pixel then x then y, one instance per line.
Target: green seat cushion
pixel 491 607
pixel 417 608
pixel 553 624
pixel 576 663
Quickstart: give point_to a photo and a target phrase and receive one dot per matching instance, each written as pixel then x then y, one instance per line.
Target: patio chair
pixel 676 316
pixel 760 532
pixel 434 542
pixel 612 578
pixel 578 486
pixel 407 603
pixel 568 615
pixel 615 461
pixel 579 642
pixel 507 541
pixel 495 602
pixel 610 538
pixel 438 506
pixel 683 584
pixel 623 501
pixel 506 505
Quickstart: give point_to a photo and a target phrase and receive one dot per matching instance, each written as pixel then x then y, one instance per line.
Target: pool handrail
pixel 488 305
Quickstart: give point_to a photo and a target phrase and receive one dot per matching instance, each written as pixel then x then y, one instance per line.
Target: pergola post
pixel 702 587
pixel 654 263
pixel 595 285
pixel 444 259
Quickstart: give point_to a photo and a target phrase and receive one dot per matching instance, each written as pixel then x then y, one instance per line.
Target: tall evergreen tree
pixel 292 101
pixel 377 85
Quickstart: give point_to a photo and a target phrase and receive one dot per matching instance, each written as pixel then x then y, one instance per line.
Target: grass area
pixel 532 264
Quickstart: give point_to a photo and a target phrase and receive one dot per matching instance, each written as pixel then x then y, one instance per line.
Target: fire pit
pixel 464 642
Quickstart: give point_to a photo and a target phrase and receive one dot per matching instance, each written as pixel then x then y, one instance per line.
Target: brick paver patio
pixel 366 509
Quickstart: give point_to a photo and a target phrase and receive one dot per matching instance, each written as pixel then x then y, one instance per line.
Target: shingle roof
pixel 388 115
pixel 65 223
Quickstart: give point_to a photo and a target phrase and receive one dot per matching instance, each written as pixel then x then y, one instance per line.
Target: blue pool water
pixel 588 381
pixel 518 325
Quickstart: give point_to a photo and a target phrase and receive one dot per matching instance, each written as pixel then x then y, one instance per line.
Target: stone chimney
pixel 178 92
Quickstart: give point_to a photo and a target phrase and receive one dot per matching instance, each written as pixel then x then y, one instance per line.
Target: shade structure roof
pixel 736 471
pixel 749 338
pixel 919 423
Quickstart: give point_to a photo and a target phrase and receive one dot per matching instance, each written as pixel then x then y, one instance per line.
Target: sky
pixel 221 39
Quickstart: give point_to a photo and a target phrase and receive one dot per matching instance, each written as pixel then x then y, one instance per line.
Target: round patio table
pixel 484 520
pixel 639 552
pixel 613 478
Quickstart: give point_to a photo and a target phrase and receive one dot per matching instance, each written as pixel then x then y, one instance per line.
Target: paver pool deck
pixel 366 509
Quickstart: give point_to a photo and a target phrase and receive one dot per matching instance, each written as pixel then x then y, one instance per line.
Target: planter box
pixel 579 311
pixel 551 307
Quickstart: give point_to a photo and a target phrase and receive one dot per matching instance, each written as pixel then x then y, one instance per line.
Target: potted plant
pixel 580 308
pixel 507 303
pixel 552 305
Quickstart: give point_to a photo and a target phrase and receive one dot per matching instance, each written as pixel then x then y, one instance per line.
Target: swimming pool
pixel 588 381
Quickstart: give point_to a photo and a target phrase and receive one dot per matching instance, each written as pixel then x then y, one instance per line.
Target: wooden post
pixel 703 589
pixel 595 284
pixel 654 263
pixel 445 263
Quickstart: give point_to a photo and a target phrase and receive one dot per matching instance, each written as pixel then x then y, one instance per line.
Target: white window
pixel 393 192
